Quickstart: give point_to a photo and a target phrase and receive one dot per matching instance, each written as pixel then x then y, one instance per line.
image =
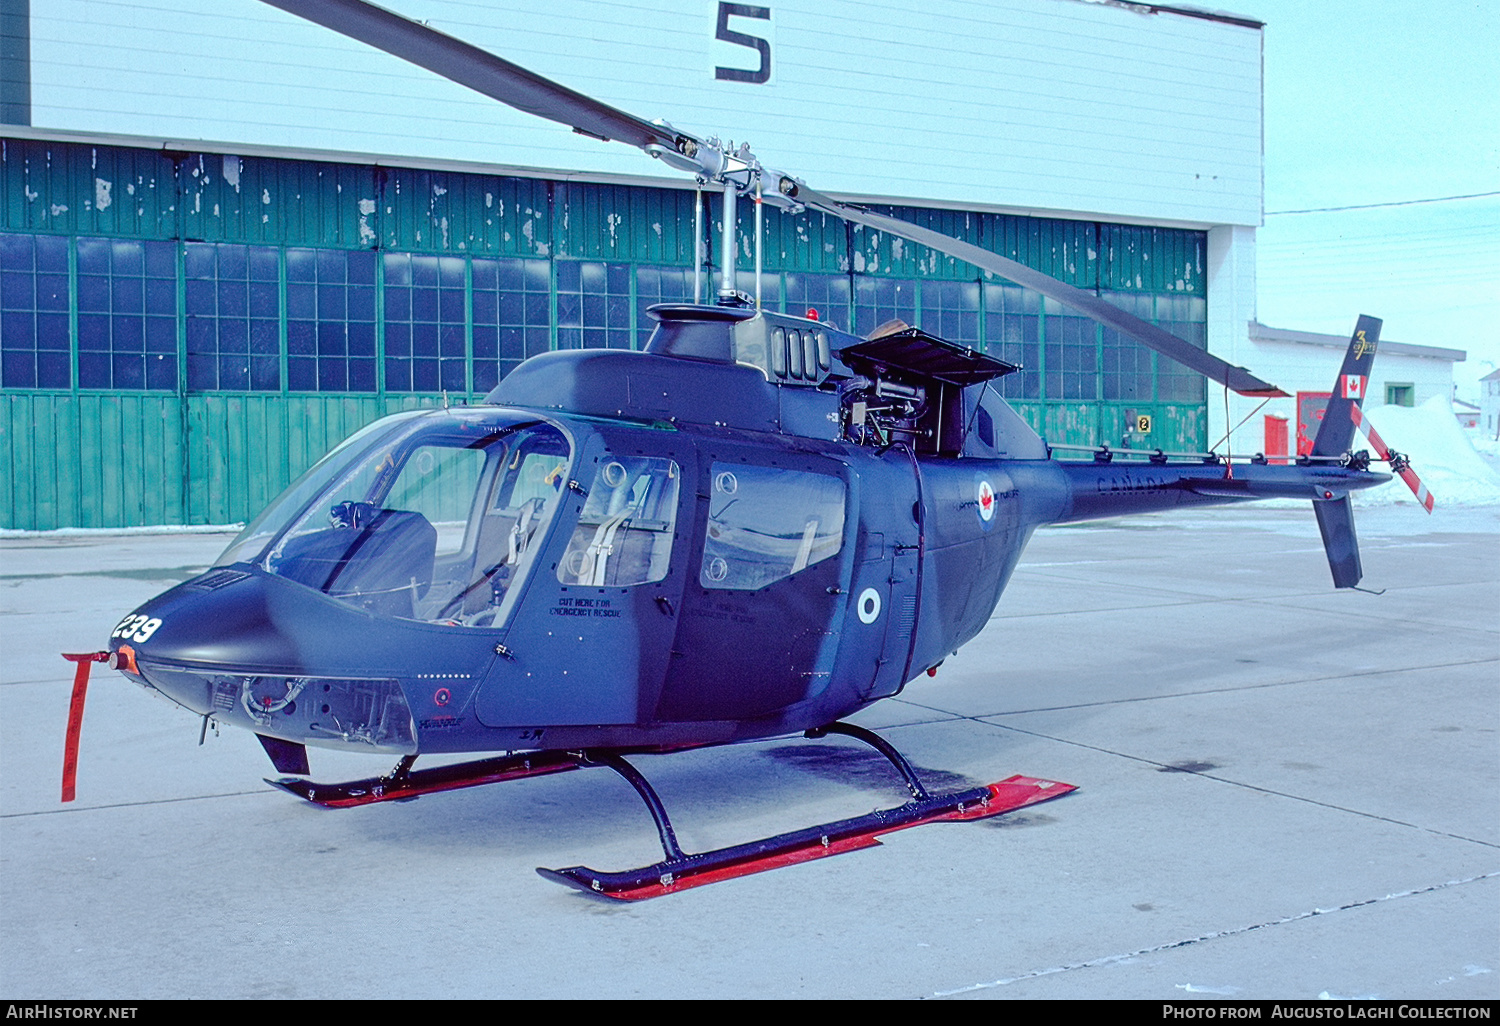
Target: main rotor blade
pixel 481 71
pixel 512 84
pixel 1149 335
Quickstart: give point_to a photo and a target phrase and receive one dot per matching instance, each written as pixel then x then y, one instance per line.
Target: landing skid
pixel 404 784
pixel 679 871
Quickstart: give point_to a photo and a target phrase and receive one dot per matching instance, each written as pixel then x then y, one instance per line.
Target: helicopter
pixel 749 530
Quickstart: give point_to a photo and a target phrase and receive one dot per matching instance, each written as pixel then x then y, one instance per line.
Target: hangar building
pixel 231 237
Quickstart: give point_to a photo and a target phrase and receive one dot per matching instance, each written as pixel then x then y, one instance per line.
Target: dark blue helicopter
pixel 752 529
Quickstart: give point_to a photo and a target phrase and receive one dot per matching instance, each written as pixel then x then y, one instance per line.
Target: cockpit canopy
pixel 429 515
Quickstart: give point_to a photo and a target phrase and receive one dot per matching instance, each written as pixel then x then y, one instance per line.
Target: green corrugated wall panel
pixel 260 200
pixel 442 212
pixel 91 461
pixel 809 242
pixel 616 222
pixel 87 190
pixel 244 449
pixel 1070 424
pixel 434 212
pixel 22 412
pixel 1185 428
pixel 1033 414
pixel 333 205
pixel 1137 258
pixel 886 255
pixel 1063 249
pixel 1175 427
pixel 519 215
pixel 118 460
pixel 11 481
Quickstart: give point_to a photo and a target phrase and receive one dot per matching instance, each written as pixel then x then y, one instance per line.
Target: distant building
pixel 1467 413
pixel 1489 404
pixel 1305 364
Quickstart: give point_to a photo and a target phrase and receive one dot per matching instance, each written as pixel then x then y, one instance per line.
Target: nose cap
pixel 123 658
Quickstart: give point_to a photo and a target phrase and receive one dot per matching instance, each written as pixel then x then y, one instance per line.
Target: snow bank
pixel 1441 453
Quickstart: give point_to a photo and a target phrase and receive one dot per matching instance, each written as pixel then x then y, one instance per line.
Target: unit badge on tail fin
pixel 1335 438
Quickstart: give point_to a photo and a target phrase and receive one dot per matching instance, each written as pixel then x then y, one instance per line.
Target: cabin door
pixel 763 603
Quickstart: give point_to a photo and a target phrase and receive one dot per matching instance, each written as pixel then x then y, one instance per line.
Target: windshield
pixel 427 517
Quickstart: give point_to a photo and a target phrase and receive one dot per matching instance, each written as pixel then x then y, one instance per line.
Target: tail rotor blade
pixel 1399 463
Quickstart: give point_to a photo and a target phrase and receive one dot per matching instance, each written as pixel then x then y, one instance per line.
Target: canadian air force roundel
pixel 986 496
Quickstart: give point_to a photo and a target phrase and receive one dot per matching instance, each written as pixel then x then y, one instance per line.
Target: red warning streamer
pixel 75 716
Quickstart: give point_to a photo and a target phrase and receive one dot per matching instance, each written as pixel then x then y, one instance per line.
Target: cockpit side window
pixel 436 522
pixel 767 523
pixel 624 533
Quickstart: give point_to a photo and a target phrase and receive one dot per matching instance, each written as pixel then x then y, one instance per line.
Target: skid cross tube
pixel 881 745
pixel 648 795
pixel 679 870
pixel 403 783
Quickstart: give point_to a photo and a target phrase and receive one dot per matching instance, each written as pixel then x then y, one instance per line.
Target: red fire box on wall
pixel 1310 407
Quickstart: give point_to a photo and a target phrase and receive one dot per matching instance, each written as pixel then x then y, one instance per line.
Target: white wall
pixel 1231 308
pixel 1052 106
pixel 1311 363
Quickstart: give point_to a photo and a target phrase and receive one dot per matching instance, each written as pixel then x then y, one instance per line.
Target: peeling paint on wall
pixel 367 234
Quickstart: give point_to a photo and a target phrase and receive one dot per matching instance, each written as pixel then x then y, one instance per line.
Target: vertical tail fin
pixel 1336 434
pixel 1336 437
pixel 1336 524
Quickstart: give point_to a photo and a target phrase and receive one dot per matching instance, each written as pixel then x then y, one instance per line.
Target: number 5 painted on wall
pixel 760 46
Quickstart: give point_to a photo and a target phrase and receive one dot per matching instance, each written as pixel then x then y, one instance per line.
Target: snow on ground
pixel 1443 454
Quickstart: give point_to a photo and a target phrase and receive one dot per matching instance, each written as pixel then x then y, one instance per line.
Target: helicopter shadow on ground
pixel 715 798
pixel 871 772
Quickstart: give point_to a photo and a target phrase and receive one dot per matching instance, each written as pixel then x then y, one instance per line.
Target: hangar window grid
pixel 521 241
pixel 425 322
pixel 232 315
pixel 1070 346
pixel 1012 327
pixel 594 305
pixel 877 300
pixel 511 310
pixel 361 322
pixel 35 350
pixel 330 320
pixel 1128 369
pixel 127 314
pixel 1187 318
pixel 828 294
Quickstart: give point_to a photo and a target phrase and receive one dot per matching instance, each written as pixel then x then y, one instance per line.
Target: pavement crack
pixel 1249 787
pixel 130 805
pixel 1210 936
pixel 1206 691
